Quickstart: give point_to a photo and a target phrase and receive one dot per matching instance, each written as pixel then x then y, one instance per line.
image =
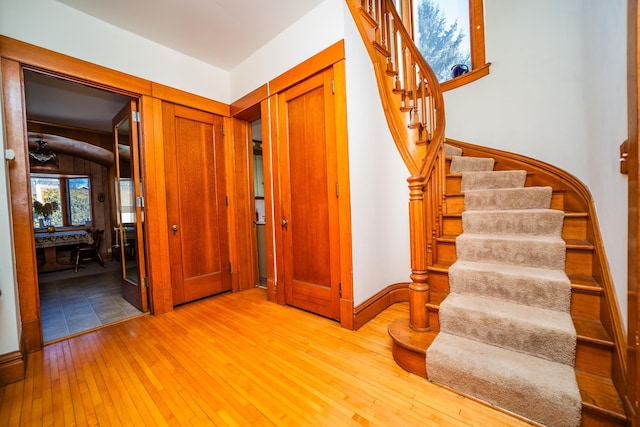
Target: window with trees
pixel 63 200
pixel 450 36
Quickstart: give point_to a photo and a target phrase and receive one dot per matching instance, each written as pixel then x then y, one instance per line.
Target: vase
pixel 46 222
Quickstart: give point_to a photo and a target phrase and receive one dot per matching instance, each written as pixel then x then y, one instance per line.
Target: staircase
pixel 596 355
pixel 506 335
pixel 414 109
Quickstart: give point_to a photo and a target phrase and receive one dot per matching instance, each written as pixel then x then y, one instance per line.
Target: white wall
pixel 605 87
pixel 380 193
pixel 380 197
pixel 55 26
pixel 556 93
pixel 314 32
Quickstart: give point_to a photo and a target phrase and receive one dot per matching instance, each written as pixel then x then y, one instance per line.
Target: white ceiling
pixel 219 32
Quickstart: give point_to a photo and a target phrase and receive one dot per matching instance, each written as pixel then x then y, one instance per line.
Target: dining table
pixel 50 242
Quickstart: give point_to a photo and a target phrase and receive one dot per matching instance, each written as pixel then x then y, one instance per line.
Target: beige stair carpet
pixel 506 335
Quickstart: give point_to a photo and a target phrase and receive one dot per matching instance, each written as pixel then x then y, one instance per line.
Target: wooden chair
pixel 92 251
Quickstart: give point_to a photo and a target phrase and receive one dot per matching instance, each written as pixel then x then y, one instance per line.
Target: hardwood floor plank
pixel 234 359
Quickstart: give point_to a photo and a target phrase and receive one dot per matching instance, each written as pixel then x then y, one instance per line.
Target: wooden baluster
pixel 396 49
pixel 419 287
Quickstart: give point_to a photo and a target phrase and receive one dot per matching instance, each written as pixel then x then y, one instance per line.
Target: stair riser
pixel 454 203
pixel 493 180
pixel 577 262
pixel 439 282
pixel 574 228
pixel 509 332
pixel 585 304
pixel 515 252
pixel 593 358
pixel 527 223
pixel 535 292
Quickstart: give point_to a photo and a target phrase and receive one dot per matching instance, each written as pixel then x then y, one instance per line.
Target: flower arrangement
pixel 44 209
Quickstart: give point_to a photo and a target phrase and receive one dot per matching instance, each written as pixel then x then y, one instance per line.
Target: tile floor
pixel 74 302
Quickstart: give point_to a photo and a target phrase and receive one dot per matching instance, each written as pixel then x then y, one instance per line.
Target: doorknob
pixel 285 223
pixel 174 227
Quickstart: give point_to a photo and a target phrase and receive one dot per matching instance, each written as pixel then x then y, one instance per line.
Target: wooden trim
pixel 248 107
pixel 318 62
pixel 373 306
pixel 275 289
pixel 633 234
pixel 344 200
pixel 187 99
pixel 21 210
pixel 156 221
pixel 61 65
pixel 12 367
pixel 471 76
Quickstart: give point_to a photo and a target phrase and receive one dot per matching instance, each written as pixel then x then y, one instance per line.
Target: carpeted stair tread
pixel 536 331
pixel 470 164
pixel 541 390
pixel 537 287
pixel 492 180
pixel 534 222
pixel 450 150
pixel 528 251
pixel 508 198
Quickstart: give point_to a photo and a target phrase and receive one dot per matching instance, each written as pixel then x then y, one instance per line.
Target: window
pixel 127 201
pixel 450 35
pixel 70 197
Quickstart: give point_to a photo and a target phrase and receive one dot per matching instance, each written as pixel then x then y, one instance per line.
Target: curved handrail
pixel 414 107
pixel 437 107
pixel 409 89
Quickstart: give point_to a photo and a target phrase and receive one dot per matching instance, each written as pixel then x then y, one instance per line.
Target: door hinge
pixel 230 269
pixel 337 190
pixel 340 289
pixel 140 201
pixel 333 86
pixel 145 282
pixel 224 131
pixel 226 200
pixel 135 115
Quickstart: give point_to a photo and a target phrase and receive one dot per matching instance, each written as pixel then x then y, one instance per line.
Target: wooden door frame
pixel 632 162
pixel 332 56
pixel 14 56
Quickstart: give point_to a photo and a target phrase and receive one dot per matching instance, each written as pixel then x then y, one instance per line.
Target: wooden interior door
pixel 196 203
pixel 309 195
pixel 129 207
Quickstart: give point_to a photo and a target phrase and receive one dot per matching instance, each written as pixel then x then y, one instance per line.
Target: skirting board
pixel 369 309
pixel 12 367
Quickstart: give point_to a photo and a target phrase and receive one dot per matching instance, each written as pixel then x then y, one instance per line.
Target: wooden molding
pixel 60 65
pixel 12 367
pixel 373 306
pixel 187 99
pixel 248 107
pixel 320 61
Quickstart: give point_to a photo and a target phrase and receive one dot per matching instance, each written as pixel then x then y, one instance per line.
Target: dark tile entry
pixel 74 302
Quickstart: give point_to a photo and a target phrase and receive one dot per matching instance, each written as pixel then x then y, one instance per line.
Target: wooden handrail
pixel 414 107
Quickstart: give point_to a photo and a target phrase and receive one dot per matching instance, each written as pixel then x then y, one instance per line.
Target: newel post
pixel 419 287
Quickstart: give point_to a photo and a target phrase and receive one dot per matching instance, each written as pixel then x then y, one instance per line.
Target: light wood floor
pixel 234 359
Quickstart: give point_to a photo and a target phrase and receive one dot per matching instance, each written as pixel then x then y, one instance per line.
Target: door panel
pixel 309 223
pixel 129 209
pixel 196 203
